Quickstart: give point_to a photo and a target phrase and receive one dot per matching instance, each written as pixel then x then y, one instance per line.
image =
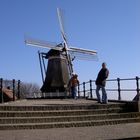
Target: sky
pixel 112 27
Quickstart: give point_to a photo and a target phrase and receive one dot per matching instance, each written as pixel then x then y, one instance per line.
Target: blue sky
pixel 112 27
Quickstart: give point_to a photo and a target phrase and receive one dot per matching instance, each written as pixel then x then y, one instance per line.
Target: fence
pixel 86 89
pixel 14 86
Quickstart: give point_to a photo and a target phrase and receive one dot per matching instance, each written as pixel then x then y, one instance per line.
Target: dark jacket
pixel 102 76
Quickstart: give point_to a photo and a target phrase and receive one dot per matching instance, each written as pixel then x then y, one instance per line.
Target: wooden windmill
pixel 60 57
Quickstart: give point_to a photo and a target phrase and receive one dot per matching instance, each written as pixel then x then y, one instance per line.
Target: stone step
pixel 43 116
pixel 67 124
pixel 61 107
pixel 60 112
pixel 19 120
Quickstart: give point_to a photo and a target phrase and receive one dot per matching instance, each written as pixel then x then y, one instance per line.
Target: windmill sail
pixel 73 52
pixel 83 54
pixel 42 44
pixel 61 23
pixel 60 18
pixel 84 51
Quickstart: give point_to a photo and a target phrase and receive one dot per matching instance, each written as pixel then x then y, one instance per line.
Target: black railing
pixel 15 89
pixel 87 87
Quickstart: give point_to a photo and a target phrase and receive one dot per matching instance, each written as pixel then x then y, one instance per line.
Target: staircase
pixel 66 115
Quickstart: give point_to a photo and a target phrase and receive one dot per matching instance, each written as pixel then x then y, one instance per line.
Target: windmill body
pixel 57 75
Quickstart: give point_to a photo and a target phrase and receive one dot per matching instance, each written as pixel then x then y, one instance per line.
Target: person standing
pixel 73 85
pixel 100 84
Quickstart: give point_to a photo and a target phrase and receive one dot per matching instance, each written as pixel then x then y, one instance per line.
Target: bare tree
pixel 7 83
pixel 28 90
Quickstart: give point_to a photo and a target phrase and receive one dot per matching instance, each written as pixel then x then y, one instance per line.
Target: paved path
pixel 82 133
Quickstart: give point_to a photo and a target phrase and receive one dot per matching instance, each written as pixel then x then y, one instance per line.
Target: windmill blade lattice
pixel 42 44
pixel 61 23
pixel 83 56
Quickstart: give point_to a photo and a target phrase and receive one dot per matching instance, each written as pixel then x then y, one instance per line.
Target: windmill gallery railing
pixel 9 92
pixel 88 89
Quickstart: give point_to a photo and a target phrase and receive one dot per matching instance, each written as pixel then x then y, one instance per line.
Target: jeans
pixel 74 92
pixel 104 94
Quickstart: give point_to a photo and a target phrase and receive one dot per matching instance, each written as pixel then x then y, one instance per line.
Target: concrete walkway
pixel 43 102
pixel 121 131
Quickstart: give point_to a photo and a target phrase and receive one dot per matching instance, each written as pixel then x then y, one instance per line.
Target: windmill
pixel 60 57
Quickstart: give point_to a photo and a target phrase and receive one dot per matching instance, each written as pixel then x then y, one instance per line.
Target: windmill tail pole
pixel 41 66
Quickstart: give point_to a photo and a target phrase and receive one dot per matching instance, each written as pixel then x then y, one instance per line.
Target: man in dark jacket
pixel 100 83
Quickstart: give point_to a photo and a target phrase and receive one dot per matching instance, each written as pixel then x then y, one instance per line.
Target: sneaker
pixel 99 102
pixel 104 103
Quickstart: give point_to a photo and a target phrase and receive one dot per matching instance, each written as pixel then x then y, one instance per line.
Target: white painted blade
pixel 60 18
pixel 42 44
pixel 84 51
pixel 83 54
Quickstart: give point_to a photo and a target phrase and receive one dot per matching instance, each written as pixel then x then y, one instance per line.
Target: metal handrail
pixel 118 89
